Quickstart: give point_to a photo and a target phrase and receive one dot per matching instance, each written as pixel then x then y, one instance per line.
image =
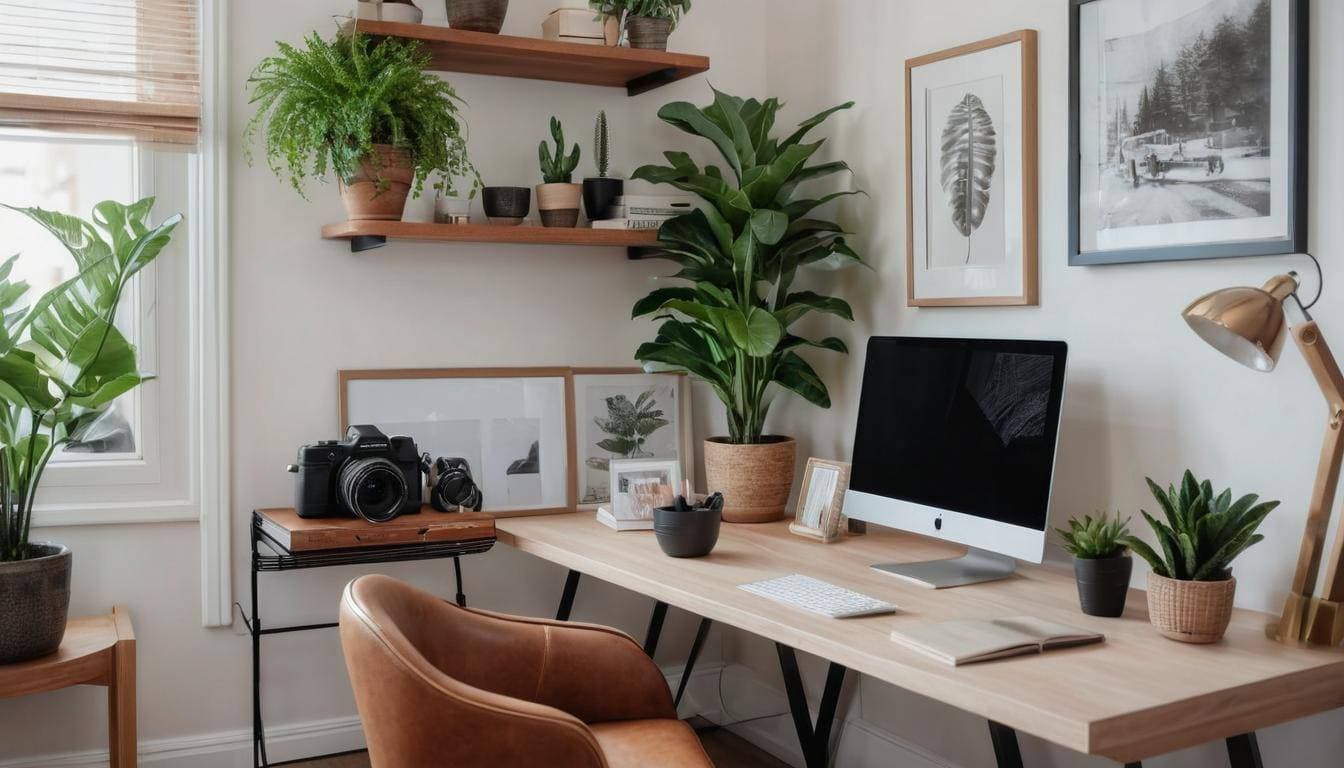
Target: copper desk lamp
pixel 1247 325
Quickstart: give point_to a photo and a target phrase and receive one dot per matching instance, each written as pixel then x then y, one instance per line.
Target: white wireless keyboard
pixel 818 596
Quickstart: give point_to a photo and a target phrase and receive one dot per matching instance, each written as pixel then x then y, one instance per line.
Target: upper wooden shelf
pixel 365 235
pixel 456 50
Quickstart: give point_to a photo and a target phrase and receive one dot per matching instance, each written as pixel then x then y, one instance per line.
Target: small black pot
pixel 509 205
pixel 1103 584
pixel 34 602
pixel 691 533
pixel 599 194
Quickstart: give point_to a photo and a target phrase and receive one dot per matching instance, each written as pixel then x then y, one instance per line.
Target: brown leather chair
pixel 439 685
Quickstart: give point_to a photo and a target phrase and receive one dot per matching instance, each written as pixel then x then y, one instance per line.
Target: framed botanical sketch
pixel 821 499
pixel 512 425
pixel 624 413
pixel 1188 129
pixel 971 175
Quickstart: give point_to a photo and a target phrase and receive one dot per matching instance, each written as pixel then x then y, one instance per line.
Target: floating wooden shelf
pixel 365 235
pixel 456 50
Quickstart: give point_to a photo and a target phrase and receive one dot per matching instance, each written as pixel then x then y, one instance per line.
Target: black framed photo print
pixel 1188 136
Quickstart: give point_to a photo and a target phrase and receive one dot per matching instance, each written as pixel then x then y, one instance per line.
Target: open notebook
pixel 966 641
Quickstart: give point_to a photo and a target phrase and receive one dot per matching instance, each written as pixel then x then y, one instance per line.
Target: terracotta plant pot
pixel 1190 611
pixel 648 33
pixel 477 15
pixel 1103 584
pixel 34 603
pixel 361 195
pixel 559 204
pixel 755 479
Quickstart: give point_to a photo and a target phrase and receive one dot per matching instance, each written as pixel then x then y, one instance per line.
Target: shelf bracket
pixel 640 252
pixel 646 83
pixel 360 243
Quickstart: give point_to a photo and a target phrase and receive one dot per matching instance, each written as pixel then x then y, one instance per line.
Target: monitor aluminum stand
pixel 976 566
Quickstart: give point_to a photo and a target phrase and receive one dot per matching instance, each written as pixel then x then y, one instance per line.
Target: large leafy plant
pixel 324 106
pixel 62 360
pixel 1202 533
pixel 740 254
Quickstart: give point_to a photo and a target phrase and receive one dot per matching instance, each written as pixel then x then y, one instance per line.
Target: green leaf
pixel 794 374
pixel 688 118
pixel 795 305
pixel 1141 548
pixel 659 298
pixel 812 122
pixel 757 332
pixel 768 225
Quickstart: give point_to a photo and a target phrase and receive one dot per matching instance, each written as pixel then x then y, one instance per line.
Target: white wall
pixel 304 308
pixel 1145 396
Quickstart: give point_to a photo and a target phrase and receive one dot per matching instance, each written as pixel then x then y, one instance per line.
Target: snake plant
pixel 1202 533
pixel 740 254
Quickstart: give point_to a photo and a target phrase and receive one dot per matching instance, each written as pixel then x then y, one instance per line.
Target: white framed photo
pixel 624 413
pixel 511 425
pixel 638 486
pixel 971 174
pixel 821 499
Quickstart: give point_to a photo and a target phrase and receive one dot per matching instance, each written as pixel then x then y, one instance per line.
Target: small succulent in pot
pixel 600 193
pixel 1190 589
pixel 1101 563
pixel 646 23
pixel 558 196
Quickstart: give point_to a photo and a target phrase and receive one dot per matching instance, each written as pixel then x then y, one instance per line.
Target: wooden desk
pixel 96 650
pixel 1137 696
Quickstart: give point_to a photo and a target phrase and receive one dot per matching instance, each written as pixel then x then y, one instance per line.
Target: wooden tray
pixel 298 534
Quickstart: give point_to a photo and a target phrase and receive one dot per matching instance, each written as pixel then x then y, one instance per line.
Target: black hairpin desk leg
pixel 567 597
pixel 655 628
pixel 1244 751
pixel 1007 754
pixel 700 635
pixel 815 739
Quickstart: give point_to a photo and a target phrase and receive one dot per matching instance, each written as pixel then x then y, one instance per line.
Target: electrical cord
pixel 1320 281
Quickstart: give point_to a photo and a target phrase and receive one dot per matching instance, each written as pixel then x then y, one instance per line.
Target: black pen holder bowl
pixel 689 533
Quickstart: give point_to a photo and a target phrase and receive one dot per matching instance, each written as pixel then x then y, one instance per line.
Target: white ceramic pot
pixel 377 10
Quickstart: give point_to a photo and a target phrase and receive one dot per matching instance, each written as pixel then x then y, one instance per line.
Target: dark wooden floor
pixel 724 748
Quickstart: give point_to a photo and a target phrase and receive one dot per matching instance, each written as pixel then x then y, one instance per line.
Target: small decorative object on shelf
pixel 646 23
pixel 1191 587
pixel 732 329
pixel 326 106
pixel 403 11
pixel 477 15
pixel 507 206
pixel 684 529
pixel 599 193
pixel 558 197
pixel 578 25
pixel 1101 564
pixel 821 500
pixel 73 364
pixel 451 205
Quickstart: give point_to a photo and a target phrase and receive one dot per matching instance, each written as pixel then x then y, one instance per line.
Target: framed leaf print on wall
pixel 971 174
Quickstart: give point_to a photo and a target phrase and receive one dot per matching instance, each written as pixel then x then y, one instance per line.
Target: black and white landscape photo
pixel 1184 122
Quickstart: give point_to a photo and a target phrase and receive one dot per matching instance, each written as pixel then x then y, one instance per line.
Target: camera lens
pixel 372 488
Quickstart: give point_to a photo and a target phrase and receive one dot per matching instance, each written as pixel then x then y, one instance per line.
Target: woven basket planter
pixel 755 479
pixel 1190 611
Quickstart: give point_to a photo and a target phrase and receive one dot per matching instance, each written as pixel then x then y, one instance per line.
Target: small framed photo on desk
pixel 638 486
pixel 821 499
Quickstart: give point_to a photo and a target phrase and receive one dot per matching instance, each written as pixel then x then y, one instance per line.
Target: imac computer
pixel 956 440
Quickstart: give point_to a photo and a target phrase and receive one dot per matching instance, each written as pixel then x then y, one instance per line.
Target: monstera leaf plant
pixel 731 323
pixel 63 362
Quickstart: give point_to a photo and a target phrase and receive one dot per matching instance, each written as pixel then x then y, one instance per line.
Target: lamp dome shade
pixel 1246 324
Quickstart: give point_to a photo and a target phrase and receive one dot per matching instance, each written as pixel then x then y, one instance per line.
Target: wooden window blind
pixel 119 67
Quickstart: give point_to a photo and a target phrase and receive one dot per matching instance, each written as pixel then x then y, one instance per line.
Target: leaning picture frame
pixel 1187 129
pixel 513 426
pixel 626 413
pixel 638 486
pixel 821 498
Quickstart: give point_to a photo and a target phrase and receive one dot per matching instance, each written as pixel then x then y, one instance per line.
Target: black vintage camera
pixel 367 474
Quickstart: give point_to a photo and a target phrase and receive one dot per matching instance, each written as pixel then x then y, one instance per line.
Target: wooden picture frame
pixel 1003 273
pixel 820 507
pixel 554 427
pixel 610 380
pixel 626 505
pixel 1185 184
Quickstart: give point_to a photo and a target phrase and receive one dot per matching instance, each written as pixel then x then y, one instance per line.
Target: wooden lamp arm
pixel 1326 370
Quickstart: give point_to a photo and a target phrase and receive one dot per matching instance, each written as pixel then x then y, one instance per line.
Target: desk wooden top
pixel 1134 697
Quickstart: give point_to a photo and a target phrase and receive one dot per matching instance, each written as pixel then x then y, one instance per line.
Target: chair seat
pixel 650 744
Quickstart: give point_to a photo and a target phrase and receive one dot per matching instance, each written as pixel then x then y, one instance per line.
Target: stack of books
pixel 645 211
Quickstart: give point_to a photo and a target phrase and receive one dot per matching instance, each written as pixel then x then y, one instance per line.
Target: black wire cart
pixel 269 554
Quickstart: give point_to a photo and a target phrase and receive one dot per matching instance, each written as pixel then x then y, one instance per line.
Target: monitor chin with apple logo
pixel 956 440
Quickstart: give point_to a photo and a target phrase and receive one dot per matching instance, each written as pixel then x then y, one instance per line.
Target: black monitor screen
pixel 963 425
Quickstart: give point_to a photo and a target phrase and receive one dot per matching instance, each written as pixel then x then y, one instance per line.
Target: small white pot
pixel 377 10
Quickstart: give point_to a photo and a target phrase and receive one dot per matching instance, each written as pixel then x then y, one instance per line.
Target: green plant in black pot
pixel 63 363
pixel 365 110
pixel 1101 564
pixel 600 193
pixel 646 23
pixel 557 196
pixel 1190 589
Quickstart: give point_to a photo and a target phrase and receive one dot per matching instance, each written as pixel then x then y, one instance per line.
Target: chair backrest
pixel 441 685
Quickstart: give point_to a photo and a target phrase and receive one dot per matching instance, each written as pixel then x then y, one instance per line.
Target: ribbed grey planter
pixel 34 602
pixel 477 15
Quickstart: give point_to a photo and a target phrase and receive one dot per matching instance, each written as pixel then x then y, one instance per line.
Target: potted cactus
pixel 601 192
pixel 557 196
pixel 1190 589
pixel 1101 564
